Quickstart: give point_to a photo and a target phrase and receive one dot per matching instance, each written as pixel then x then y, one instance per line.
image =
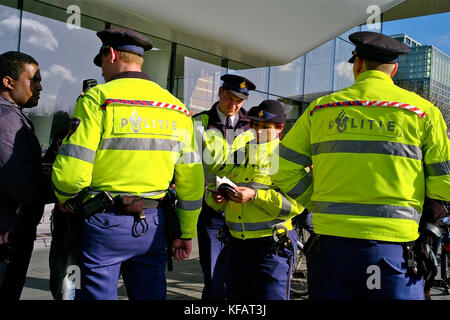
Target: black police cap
pixel 268 111
pixel 375 46
pixel 237 85
pixel 123 40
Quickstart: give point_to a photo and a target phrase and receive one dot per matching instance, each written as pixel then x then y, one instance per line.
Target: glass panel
pixel 345 35
pixel 343 70
pixel 291 107
pixel 259 76
pixel 9 26
pixel 287 80
pixel 197 78
pixel 319 71
pixel 374 27
pixel 157 61
pixel 65 58
pixel 255 98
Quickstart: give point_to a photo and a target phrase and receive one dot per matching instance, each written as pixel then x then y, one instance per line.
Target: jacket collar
pixel 5 102
pixel 8 103
pixel 131 74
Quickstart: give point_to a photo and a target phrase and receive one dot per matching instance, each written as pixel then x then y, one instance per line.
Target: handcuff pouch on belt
pixel 224 235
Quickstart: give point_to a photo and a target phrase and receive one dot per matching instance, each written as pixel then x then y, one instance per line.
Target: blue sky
pixel 428 30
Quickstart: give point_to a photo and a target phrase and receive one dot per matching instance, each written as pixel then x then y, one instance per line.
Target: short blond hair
pixel 131 58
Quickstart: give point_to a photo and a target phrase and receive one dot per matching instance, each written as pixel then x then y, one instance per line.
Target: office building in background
pixel 426 71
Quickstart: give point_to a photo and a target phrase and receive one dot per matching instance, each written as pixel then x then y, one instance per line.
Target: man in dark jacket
pixel 227 119
pixel 24 188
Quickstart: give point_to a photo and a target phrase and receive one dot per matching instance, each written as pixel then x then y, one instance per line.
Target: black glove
pixel 427 265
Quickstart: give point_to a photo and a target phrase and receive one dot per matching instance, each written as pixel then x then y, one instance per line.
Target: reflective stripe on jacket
pixel 377 150
pixel 130 136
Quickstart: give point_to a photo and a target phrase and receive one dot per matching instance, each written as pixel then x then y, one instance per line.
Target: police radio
pixel 84 209
pixel 89 83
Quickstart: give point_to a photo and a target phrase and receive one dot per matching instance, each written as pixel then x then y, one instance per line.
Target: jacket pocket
pixel 158 218
pixel 104 221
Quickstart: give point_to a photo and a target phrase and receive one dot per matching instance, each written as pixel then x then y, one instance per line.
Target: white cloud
pixel 39 34
pixel 47 99
pixel 287 67
pixel 33 32
pixel 59 71
pixel 10 23
pixel 345 69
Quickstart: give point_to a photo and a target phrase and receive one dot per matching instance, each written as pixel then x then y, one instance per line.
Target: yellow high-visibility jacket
pixel 130 136
pixel 217 146
pixel 256 218
pixel 377 150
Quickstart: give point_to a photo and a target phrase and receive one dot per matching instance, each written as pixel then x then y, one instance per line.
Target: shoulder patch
pixel 200 114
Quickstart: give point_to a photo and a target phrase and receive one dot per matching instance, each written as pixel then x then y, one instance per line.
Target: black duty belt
pixel 133 205
pixel 151 203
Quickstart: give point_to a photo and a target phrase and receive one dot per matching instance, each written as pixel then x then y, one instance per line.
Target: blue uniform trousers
pixel 213 254
pixel 351 269
pixel 256 272
pixel 109 247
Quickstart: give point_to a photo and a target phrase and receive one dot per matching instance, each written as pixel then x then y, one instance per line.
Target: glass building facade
pixel 426 71
pixel 65 55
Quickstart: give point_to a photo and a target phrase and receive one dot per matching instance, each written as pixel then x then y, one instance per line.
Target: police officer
pixel 379 153
pixel 129 137
pixel 64 227
pixel 259 268
pixel 219 130
pixel 24 188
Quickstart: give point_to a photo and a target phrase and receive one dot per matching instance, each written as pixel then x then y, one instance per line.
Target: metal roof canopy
pixel 255 32
pixel 416 8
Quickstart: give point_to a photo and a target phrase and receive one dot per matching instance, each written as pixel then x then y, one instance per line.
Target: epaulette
pixel 199 114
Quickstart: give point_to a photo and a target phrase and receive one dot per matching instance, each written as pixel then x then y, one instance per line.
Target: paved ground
pixel 184 283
